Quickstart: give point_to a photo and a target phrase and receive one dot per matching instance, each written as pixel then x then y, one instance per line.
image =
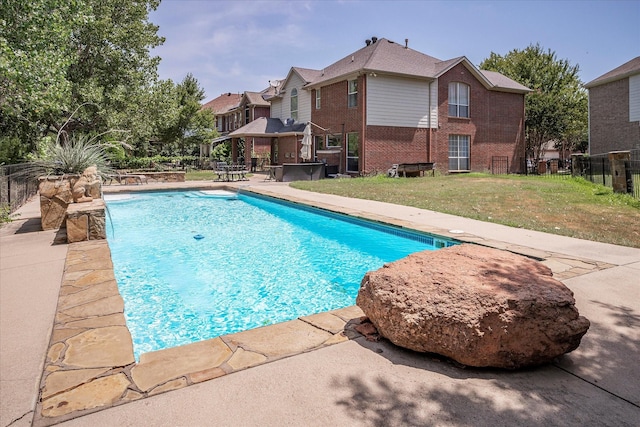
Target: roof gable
pixel 387 57
pixel 625 70
pixel 383 56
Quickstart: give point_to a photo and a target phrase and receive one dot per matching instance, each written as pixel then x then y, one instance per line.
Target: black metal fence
pixel 16 186
pixel 594 168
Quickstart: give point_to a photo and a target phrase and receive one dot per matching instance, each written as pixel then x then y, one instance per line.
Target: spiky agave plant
pixel 72 157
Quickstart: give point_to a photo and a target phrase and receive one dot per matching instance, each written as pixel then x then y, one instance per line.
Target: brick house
pixel 386 104
pixel 614 109
pixel 232 111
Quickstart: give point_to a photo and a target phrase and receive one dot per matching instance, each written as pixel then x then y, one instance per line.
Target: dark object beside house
pixel 330 171
pixel 411 169
pixel 288 172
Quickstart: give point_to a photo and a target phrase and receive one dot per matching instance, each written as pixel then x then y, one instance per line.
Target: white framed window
pixel 459 152
pixel 352 94
pixel 458 100
pixel 334 140
pixel 353 149
pixel 319 142
pixel 294 104
pixel 318 96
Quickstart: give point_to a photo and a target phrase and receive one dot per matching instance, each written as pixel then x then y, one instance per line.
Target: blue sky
pixel 237 46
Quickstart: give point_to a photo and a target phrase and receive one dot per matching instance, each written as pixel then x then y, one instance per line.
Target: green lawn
pixel 569 207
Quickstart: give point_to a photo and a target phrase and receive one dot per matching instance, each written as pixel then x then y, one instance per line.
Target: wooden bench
pixel 415 169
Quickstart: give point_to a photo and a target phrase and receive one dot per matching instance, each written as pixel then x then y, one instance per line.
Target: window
pixel 458 152
pixel 247 115
pixel 353 93
pixel 334 140
pixel 318 99
pixel 319 141
pixel 294 104
pixel 352 152
pixel 458 100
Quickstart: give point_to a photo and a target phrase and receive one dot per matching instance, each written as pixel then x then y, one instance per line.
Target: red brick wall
pixel 609 125
pixel 388 145
pixel 495 125
pixel 335 115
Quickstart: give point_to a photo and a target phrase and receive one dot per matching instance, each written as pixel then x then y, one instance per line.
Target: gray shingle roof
pixel 625 70
pixel 255 98
pixel 389 57
pixel 266 126
pixel 384 56
pixel 500 81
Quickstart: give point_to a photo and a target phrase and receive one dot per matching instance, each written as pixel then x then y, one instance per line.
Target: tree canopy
pixel 556 110
pixel 86 65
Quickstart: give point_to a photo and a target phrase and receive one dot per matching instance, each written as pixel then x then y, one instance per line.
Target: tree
pixel 58 55
pixel 112 68
pixel 34 58
pixel 556 110
pixel 190 125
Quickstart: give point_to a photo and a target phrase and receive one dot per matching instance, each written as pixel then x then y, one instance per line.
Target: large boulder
pixel 478 306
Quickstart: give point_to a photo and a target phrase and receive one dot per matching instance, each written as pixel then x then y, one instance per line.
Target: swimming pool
pixel 199 264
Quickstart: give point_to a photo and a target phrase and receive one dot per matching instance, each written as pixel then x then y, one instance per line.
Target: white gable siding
pixel 304 99
pixel 276 108
pixel 634 98
pixel 394 101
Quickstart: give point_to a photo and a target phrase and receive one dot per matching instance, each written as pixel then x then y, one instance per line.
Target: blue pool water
pixel 196 265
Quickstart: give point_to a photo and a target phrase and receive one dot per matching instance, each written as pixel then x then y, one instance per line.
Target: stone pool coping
pixel 90 365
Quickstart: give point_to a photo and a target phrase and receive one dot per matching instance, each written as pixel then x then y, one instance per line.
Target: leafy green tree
pixel 34 58
pixel 556 110
pixel 112 68
pixel 85 59
pixel 190 125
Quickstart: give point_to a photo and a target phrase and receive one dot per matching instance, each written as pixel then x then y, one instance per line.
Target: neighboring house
pixel 386 104
pixel 233 111
pixel 614 109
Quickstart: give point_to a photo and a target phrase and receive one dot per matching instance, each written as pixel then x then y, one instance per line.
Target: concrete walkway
pixel 355 383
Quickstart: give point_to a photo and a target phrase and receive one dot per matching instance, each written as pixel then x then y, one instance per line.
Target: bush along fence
pixel 16 186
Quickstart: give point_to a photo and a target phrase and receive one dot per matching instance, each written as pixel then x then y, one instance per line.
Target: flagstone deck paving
pixel 90 364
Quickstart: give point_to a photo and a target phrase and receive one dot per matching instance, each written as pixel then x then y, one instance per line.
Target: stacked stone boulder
pixel 74 202
pixel 479 306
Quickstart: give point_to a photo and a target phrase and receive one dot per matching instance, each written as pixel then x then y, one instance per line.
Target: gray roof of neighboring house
pixel 267 126
pixel 625 70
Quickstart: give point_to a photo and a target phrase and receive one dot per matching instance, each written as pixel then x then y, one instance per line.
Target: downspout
pixel 430 133
pixel 363 133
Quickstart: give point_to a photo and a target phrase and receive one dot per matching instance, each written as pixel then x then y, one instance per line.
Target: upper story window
pixel 318 96
pixel 247 115
pixel 294 104
pixel 353 93
pixel 458 100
